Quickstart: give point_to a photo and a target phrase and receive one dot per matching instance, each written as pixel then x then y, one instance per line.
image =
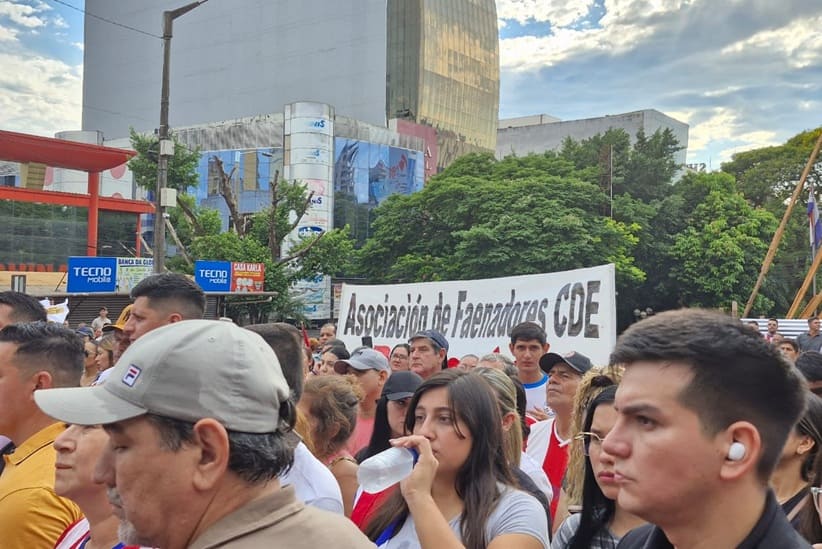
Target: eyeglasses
pixel 588 440
pixel 816 494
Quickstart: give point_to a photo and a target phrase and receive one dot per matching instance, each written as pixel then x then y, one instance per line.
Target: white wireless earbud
pixel 737 451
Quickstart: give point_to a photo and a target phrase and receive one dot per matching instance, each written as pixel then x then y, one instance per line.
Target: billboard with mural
pixel 373 172
pixel 250 170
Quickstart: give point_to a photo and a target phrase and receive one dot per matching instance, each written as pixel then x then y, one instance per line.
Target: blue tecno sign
pixel 92 274
pixel 213 276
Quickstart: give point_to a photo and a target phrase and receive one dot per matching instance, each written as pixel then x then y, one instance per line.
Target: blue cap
pixel 434 336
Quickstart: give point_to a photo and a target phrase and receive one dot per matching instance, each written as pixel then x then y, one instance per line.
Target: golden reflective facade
pixel 443 68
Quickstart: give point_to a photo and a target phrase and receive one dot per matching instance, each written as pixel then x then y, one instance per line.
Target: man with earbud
pixel 34 356
pixel 703 411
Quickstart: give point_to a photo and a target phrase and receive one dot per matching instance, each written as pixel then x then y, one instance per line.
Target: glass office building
pixel 443 67
pixel 431 62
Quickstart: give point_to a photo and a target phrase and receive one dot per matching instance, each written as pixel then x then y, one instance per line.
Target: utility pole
pixel 166 145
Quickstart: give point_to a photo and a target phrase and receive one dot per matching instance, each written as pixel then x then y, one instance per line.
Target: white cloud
pixel 559 14
pixel 79 45
pixel 59 22
pixel 40 96
pixel 21 14
pixel 526 53
pixel 626 24
pixel 798 41
pixel 722 125
pixel 8 34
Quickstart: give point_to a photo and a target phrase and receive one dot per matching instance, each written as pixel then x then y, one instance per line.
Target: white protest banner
pixel 577 310
pixel 57 312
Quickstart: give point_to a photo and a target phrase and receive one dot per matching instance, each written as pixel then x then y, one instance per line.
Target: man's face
pixel 146 483
pixel 326 333
pixel 527 354
pixel 16 393
pixel 425 360
pixel 772 326
pixel 145 318
pixel 468 362
pixel 663 462
pixel 371 382
pixel 787 351
pixel 103 313
pixel 561 388
pixel 813 325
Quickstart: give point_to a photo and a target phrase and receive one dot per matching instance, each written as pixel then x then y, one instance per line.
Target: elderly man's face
pixel 149 486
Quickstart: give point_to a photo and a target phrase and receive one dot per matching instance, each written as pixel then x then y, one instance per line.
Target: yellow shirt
pixel 32 516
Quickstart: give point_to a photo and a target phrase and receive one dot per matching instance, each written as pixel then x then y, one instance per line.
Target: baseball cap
pixel 187 370
pixel 361 359
pixel 401 385
pixel 125 314
pixel 577 361
pixel 85 331
pixel 434 336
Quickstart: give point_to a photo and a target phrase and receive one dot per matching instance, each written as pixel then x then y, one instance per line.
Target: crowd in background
pixel 160 429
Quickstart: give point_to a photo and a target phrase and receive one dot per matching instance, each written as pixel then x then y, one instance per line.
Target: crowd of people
pixel 161 429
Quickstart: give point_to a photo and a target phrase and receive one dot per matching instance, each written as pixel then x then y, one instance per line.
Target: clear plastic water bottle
pixel 385 469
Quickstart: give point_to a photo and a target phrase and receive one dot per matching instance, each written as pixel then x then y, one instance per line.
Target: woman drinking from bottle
pixel 461 492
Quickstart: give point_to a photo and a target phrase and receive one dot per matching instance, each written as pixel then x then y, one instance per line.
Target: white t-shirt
pixel 535 394
pixel 516 513
pixel 313 482
pixel 535 472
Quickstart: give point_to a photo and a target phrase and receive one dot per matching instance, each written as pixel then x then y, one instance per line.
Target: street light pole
pixel 166 145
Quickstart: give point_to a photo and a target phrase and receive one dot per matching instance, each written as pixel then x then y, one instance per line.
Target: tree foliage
pixel 267 237
pixel 696 241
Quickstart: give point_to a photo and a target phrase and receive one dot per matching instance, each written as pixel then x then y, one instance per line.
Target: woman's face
pixel 326 367
pixel 103 359
pixel 396 416
pixel 90 361
pixel 399 359
pixel 78 449
pixel 602 463
pixel 435 420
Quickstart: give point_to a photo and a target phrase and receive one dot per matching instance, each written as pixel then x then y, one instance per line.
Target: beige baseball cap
pixel 188 371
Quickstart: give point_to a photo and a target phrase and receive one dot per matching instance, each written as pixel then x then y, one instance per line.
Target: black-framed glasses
pixel 816 495
pixel 588 440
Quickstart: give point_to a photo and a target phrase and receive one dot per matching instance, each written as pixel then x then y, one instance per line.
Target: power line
pixel 84 12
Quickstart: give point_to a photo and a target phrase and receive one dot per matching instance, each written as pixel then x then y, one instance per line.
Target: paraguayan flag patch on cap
pixel 132 374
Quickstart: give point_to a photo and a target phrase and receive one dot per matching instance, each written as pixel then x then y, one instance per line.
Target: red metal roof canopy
pixel 60 153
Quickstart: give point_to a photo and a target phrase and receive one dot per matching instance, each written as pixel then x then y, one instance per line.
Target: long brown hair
pixel 472 401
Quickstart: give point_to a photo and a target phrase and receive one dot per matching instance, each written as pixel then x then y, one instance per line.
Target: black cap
pixel 577 361
pixel 434 336
pixel 401 385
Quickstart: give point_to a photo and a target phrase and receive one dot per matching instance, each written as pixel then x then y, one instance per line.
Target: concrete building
pixel 425 61
pixel 540 133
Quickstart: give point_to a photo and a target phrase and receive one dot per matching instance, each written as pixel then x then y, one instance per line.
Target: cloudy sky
pixel 742 73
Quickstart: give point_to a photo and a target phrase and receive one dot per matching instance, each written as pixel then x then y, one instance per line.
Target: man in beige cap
pixel 197 413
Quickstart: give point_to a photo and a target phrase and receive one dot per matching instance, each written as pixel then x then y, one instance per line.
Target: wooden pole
pixel 800 295
pixel 777 237
pixel 811 306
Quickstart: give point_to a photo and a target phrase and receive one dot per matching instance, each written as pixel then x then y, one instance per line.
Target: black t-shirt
pixel 772 531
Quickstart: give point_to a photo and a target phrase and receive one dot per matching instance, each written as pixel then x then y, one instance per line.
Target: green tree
pixel 263 239
pixel 487 219
pixel 713 255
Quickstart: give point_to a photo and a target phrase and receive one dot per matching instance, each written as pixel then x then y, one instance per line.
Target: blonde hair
pixel 592 384
pixel 333 402
pixel 506 394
